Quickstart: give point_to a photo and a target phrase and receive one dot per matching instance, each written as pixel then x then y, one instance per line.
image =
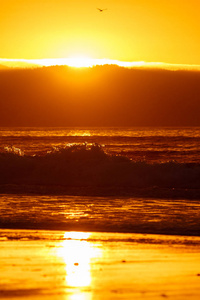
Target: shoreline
pixel 100 214
pixel 79 228
pixel 82 265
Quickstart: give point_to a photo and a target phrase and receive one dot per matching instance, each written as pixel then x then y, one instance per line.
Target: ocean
pixel 139 144
pixel 144 180
pixel 99 213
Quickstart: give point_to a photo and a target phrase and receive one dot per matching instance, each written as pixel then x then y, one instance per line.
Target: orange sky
pixel 131 30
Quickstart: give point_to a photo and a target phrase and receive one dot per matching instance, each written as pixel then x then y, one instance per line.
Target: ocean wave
pixel 89 166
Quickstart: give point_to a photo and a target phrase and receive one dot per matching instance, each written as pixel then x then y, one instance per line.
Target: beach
pixel 99 214
pixel 83 265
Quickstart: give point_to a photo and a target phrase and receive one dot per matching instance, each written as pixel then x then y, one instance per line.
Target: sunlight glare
pixel 80 133
pixel 85 62
pixel 80 296
pixel 74 61
pixel 78 254
pixel 80 62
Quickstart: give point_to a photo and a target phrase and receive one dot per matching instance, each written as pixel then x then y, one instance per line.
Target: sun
pixel 80 61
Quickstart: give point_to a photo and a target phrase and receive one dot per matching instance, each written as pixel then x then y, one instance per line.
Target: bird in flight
pixel 101 9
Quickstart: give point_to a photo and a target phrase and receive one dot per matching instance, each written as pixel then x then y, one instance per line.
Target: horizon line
pixel 85 62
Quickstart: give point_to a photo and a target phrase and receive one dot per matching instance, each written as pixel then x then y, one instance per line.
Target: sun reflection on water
pixel 78 254
pixel 80 133
pixel 80 296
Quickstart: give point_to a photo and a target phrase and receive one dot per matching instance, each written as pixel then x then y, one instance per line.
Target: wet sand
pixel 85 266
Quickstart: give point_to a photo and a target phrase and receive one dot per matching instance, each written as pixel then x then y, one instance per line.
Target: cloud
pixel 99 96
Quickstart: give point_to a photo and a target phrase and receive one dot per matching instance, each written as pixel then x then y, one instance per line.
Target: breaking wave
pixel 89 167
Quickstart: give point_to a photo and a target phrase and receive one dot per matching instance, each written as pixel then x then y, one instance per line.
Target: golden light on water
pixel 80 133
pixel 80 296
pixel 78 254
pixel 84 266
